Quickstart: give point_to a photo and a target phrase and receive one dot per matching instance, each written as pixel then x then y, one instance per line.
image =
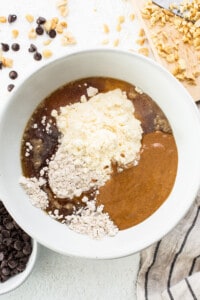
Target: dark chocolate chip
pixel 12 264
pixel 3 264
pixel 5 47
pixel 7 241
pixel 27 249
pixel 40 20
pixel 15 47
pixel 2 256
pixel 5 233
pixel 21 267
pixel 19 254
pixel 25 237
pixel 9 226
pixel 1 65
pixel 12 18
pixel 39 30
pixel 10 87
pixel 13 74
pixel 37 56
pixel 4 278
pixel 18 245
pixel 52 33
pixel 32 48
pixel 5 271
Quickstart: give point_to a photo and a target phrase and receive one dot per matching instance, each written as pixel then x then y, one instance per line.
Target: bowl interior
pixel 152 79
pixel 15 281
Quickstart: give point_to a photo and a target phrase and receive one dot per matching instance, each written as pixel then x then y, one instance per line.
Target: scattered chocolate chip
pixel 37 56
pixel 13 75
pixel 39 30
pixel 52 33
pixel 5 47
pixel 12 18
pixel 15 46
pixel 32 48
pixel 40 20
pixel 10 87
pixel 1 65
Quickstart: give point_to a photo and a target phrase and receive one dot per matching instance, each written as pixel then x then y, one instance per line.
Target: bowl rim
pixel 195 185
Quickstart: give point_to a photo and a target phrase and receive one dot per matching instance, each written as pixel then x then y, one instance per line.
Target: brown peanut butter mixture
pixel 129 196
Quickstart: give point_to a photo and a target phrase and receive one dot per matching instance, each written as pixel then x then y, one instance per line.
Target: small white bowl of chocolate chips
pixel 18 252
pixel 100 150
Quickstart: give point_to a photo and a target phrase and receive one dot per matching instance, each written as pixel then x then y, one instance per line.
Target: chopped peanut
pixel 29 18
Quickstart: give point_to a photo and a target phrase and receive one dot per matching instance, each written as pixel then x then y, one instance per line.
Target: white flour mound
pixel 96 134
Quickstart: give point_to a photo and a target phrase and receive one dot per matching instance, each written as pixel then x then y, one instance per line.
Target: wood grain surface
pixel 187 52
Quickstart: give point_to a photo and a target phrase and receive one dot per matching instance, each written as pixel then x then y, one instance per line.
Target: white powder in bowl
pixel 96 134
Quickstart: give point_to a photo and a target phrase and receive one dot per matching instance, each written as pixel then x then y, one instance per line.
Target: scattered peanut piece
pixel 144 51
pixel 141 41
pixel 47 42
pixel 32 34
pixel 118 27
pixel 141 32
pixel 15 33
pixel 121 19
pixel 46 53
pixel 68 39
pixel 7 62
pixel 3 19
pixel 116 43
pixel 106 28
pixel 29 18
pixel 105 42
pixel 62 7
pixel 132 17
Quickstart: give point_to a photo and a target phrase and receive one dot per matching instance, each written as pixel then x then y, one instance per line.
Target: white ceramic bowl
pixel 15 281
pixel 152 79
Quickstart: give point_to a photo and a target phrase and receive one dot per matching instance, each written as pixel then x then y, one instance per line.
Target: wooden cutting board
pixel 186 52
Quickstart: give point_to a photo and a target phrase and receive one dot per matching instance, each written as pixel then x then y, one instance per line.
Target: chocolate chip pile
pixel 15 246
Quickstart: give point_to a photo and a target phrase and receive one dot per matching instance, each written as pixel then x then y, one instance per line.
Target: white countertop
pixel 58 277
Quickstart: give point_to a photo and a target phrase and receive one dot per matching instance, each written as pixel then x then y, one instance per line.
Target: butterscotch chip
pixel 29 18
pixel 106 28
pixel 3 19
pixel 15 33
pixel 47 53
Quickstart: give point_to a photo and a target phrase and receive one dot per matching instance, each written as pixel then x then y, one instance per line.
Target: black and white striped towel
pixel 170 269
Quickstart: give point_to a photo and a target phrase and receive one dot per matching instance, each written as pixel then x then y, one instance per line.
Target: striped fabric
pixel 170 269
